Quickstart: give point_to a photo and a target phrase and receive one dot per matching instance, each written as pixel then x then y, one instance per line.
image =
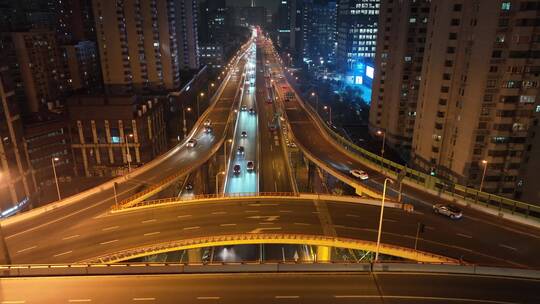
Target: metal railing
pixel 267 238
pixel 440 186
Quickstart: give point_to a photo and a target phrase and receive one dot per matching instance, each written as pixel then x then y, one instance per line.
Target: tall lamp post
pixel 381 219
pixel 53 160
pixel 485 163
pixel 199 96
pixel 128 153
pixel 316 101
pixel 225 153
pixel 184 129
pixel 383 141
pixel 217 182
pixel 329 109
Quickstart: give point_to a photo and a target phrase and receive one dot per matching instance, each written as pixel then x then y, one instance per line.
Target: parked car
pixel 451 211
pixel 250 166
pixel 236 169
pixel 191 143
pixel 240 150
pixel 359 174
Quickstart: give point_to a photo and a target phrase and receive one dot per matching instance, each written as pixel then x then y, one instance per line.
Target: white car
pixel 191 143
pixel 207 123
pixel 359 174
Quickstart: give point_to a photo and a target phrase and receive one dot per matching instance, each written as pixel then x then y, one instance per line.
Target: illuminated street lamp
pixel 383 134
pixel 329 109
pixel 184 129
pixel 200 95
pixel 381 219
pixel 128 153
pixel 217 183
pixel 485 163
pixel 53 160
pixel 225 154
pixel 316 101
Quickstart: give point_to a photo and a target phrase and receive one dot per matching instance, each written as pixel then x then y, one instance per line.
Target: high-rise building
pixel 478 105
pixel 357 24
pixel 319 32
pixel 36 68
pixel 81 64
pixel 16 184
pixel 213 21
pixel 138 44
pixel 186 27
pixel 400 51
pixel 283 24
pixel 250 15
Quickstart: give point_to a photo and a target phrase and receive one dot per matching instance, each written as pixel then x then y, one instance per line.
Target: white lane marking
pixel 273 166
pixel 71 237
pixel 266 223
pixel 389 220
pixel 464 235
pixel 208 298
pixel 108 242
pixel 26 249
pixel 13 302
pixel 275 186
pixel 429 228
pixel 251 211
pixel 151 233
pixel 285 211
pixel 109 228
pixel 302 224
pixel 144 299
pixel 219 212
pixel 352 296
pixel 183 216
pixel 352 215
pixel 287 297
pixel 259 230
pixel 227 225
pixel 508 247
pixel 79 300
pixel 148 221
pixel 191 228
pixel 63 253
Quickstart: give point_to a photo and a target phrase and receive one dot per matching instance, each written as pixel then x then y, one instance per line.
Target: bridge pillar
pixel 324 254
pixel 195 256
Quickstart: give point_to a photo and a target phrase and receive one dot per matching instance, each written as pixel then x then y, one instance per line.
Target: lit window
pixel 505 6
pixel 538 109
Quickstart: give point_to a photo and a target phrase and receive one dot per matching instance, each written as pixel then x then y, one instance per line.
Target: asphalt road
pixel 311 138
pixel 387 288
pixel 245 181
pixel 177 159
pixel 275 177
pixel 467 239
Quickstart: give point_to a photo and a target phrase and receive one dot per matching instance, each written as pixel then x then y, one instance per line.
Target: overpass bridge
pixel 81 228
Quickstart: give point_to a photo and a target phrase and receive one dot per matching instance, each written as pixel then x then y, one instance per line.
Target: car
pixel 191 143
pixel 240 150
pixel 250 166
pixel 449 210
pixel 207 123
pixel 292 145
pixel 243 134
pixel 236 169
pixel 359 174
pixel 251 111
pixel 207 129
pixel 243 108
pixel 189 186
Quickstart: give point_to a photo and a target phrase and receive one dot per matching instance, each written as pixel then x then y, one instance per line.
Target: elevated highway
pixel 472 239
pixel 286 283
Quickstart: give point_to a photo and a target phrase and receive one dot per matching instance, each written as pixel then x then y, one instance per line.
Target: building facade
pixel 357 25
pixel 401 43
pixel 478 105
pixel 186 27
pixel 81 64
pixel 138 44
pixel 319 33
pixel 109 134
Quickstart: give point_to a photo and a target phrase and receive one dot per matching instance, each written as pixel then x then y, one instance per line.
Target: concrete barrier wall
pixel 16 271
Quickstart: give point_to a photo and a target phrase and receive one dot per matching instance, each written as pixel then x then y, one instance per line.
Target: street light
pixel 53 160
pixel 198 97
pixel 217 183
pixel 225 154
pixel 128 154
pixel 184 129
pixel 316 101
pixel 329 109
pixel 379 132
pixel 485 163
pixel 381 218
